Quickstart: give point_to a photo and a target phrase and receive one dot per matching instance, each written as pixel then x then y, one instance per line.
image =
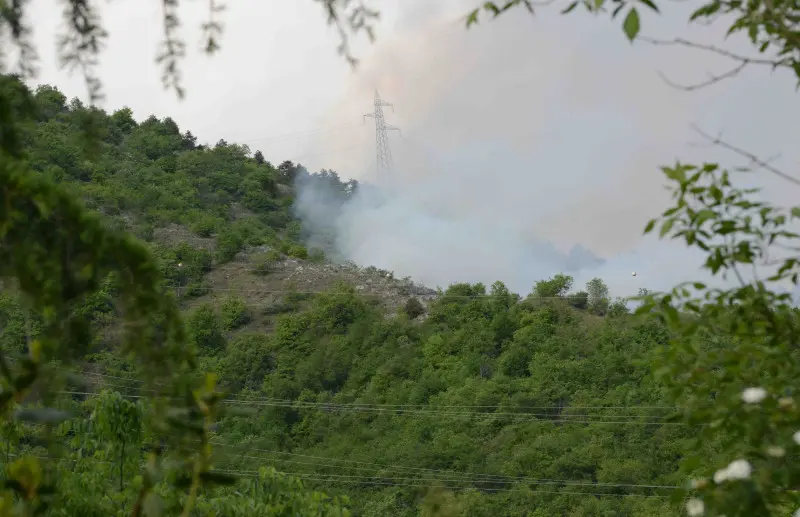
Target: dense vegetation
pixel 499 403
pixel 481 403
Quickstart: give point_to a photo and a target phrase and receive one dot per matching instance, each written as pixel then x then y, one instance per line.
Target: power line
pixel 415 481
pixel 385 471
pixel 487 478
pixel 399 407
pixel 539 418
pixel 389 407
pixel 487 489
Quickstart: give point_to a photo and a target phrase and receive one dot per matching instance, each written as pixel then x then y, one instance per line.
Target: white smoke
pixel 414 231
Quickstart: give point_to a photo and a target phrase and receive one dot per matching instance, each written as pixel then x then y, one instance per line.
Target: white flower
pixel 796 513
pixel 754 395
pixel 739 469
pixel 721 475
pixel 695 507
pixel 796 438
pixel 776 452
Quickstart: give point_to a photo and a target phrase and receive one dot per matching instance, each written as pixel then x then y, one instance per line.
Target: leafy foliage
pixel 745 389
pixel 337 380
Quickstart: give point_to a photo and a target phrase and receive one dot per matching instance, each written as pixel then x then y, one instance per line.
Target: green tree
pixel 234 312
pixel 597 291
pixel 205 330
pixel 118 422
pixel 555 287
pixel 413 308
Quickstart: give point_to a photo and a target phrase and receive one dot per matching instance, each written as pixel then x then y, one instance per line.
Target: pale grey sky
pixel 555 124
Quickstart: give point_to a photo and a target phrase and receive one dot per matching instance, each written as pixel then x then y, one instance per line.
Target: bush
pixel 204 225
pixel 514 362
pixel 248 361
pixel 203 329
pixel 617 308
pixel 279 307
pixel 263 263
pixel 579 300
pixel 413 308
pixel 316 255
pixel 297 251
pixel 228 245
pixel 234 313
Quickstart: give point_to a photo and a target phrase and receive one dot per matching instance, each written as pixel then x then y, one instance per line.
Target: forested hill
pixel 474 402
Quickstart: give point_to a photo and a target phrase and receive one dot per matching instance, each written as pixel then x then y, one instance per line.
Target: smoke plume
pixel 412 231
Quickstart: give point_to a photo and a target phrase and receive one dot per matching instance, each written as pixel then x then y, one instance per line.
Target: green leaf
pixel 795 211
pixel 650 4
pixel 671 314
pixel 650 225
pixel 703 216
pixel 706 10
pixel 666 226
pixel 570 7
pixel 472 18
pixel 489 6
pixel 631 24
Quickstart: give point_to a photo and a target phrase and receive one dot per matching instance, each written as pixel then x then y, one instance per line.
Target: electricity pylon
pixel 384 153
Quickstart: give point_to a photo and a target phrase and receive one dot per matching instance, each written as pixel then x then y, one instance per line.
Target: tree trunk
pixel 121 466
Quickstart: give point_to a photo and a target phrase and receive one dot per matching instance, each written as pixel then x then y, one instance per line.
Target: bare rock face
pixel 258 287
pixel 369 282
pixel 175 233
pixel 291 275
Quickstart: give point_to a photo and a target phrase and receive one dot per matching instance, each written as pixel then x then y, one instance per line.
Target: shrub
pixel 204 225
pixel 203 329
pixel 297 251
pixel 514 362
pixel 579 300
pixel 413 308
pixel 316 255
pixel 263 263
pixel 228 245
pixel 247 362
pixel 234 313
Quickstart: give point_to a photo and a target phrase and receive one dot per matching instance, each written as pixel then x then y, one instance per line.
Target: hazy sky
pixel 553 122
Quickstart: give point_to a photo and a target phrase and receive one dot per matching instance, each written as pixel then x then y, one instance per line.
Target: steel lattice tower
pixel 384 153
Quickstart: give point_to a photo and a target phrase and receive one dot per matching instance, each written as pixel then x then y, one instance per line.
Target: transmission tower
pixel 384 153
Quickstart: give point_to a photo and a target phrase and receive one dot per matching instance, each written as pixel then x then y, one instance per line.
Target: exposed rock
pixel 173 234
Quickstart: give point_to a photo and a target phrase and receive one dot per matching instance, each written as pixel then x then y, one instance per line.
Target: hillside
pixel 472 402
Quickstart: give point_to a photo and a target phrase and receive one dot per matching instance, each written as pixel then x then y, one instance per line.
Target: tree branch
pixel 743 62
pixel 713 49
pixel 713 79
pixel 755 160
